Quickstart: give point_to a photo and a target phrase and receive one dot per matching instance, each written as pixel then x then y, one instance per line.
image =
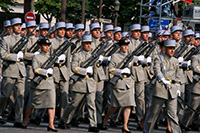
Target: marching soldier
pixel 42 95
pixel 118 34
pixel 62 65
pixel 44 27
pixel 83 88
pixel 7 27
pixel 15 72
pixel 69 30
pixel 197 40
pixel 165 67
pixel 122 94
pixel 23 31
pixel 135 31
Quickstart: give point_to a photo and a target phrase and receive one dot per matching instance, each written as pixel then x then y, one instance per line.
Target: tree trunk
pixel 100 8
pixel 83 11
pixel 63 10
pixel 32 5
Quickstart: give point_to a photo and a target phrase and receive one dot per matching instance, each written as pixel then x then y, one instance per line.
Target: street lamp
pixel 116 9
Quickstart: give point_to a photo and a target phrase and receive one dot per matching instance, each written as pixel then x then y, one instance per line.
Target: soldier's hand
pixel 20 55
pixel 36 53
pixel 125 71
pixel 61 58
pixel 50 71
pixel 100 58
pixel 178 93
pixel 89 70
pixel 180 59
pixel 148 59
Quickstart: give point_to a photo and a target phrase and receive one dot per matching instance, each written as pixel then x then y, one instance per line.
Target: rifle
pixel 73 47
pixel 191 52
pixel 182 49
pixel 21 43
pixel 99 50
pixel 35 47
pixel 52 59
pixel 124 63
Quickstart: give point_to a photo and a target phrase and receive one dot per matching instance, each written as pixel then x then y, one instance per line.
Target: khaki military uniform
pixel 83 88
pixel 162 95
pixel 139 83
pixel 194 101
pixel 61 76
pixel 13 75
pixel 44 94
pixel 122 94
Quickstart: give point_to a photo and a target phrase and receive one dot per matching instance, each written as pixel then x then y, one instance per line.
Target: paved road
pixel 8 128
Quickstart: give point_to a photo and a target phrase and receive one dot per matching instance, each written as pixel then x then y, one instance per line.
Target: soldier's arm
pixel 76 66
pixel 37 68
pixel 5 55
pixel 157 68
pixel 113 66
pixel 195 64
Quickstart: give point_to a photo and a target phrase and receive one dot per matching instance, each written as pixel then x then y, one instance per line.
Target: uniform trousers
pixel 9 84
pixel 71 108
pixel 154 111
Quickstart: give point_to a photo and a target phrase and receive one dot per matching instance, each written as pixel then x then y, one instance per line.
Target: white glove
pixel 141 58
pixel 20 55
pixel 125 71
pixel 89 70
pixel 36 53
pixel 189 63
pixel 109 58
pixel 100 58
pixel 180 59
pixel 178 93
pixel 61 58
pixel 50 71
pixel 148 59
pixel 166 82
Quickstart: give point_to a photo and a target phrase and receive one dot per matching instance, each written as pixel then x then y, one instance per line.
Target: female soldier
pixel 43 95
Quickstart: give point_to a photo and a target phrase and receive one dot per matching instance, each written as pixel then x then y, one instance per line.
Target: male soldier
pixel 135 31
pixel 61 67
pixel 44 27
pixel 197 40
pixel 96 34
pixel 194 101
pixel 102 36
pixel 23 31
pixel 176 35
pixel 85 87
pixel 69 30
pixel 77 42
pixel 118 33
pixel 14 71
pixel 7 27
pixel 125 35
pixel 165 67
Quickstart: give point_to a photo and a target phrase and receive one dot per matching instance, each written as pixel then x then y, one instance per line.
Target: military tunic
pixel 123 92
pixel 44 94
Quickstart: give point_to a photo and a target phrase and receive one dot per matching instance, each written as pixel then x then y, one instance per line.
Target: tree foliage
pixel 48 8
pixel 4 4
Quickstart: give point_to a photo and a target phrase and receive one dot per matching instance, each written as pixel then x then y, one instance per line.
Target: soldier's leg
pixel 19 99
pixel 106 96
pixel 139 98
pixel 188 114
pixel 172 115
pixel 64 100
pixel 153 113
pixel 71 108
pixel 180 105
pixel 6 90
pixel 99 101
pixel 91 109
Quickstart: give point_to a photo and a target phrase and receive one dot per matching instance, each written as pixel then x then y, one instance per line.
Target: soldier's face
pixel 96 33
pixel 135 34
pixel 124 48
pixel 187 38
pixel 108 34
pixel 17 29
pixel 61 32
pixel 43 32
pixel 80 34
pixel 170 51
pixel 86 46
pixel 197 42
pixel 176 35
pixel 45 48
pixel 117 36
pixel 163 38
pixel 30 29
pixel 145 36
pixel 8 29
pixel 51 35
pixel 22 32
pixel 69 33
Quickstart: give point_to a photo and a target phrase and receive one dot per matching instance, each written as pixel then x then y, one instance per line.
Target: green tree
pixel 4 4
pixel 48 9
